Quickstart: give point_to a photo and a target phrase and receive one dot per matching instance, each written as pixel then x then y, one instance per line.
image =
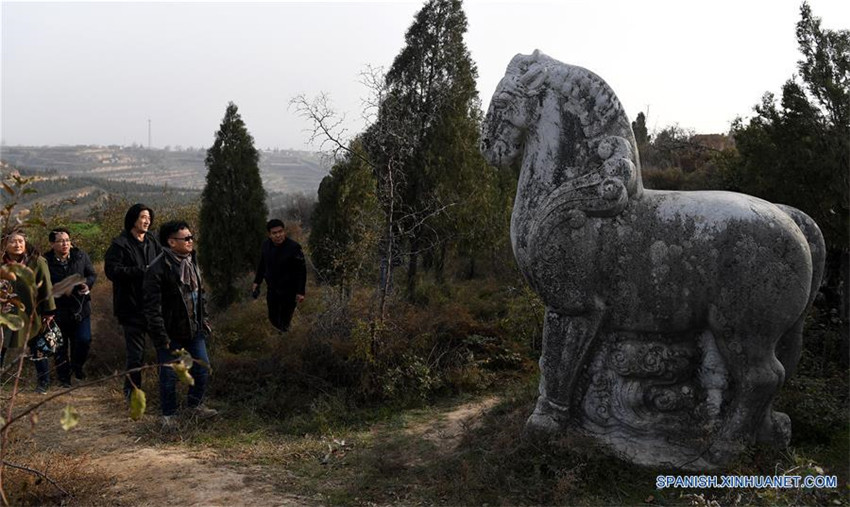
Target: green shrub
pixel 335 349
pixel 243 329
pixel 523 322
pixel 411 379
pixel 817 407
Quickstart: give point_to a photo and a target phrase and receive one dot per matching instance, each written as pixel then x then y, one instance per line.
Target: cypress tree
pixel 233 209
pixel 346 220
pixel 432 80
pixel 641 133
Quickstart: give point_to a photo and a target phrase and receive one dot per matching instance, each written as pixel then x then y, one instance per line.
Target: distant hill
pixel 283 171
pixel 77 196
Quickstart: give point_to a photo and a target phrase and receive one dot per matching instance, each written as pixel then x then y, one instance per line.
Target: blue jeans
pixel 168 378
pixel 42 368
pixel 76 344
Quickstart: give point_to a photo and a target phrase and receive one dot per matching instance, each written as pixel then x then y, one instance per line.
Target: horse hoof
pixel 541 427
pixel 776 430
pixel 724 451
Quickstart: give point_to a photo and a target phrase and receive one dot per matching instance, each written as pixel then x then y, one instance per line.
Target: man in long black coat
pixel 283 268
pixel 125 263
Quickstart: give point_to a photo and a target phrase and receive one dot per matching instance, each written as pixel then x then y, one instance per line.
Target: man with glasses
pixel 283 268
pixel 176 318
pixel 73 311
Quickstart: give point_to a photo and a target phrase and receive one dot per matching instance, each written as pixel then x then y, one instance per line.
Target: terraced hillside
pixel 77 196
pixel 283 171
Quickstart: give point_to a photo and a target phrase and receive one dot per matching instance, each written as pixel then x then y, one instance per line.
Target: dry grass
pixel 75 473
pixel 299 413
pixel 108 350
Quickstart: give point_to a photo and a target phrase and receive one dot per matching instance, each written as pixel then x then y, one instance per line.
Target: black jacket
pixel 168 316
pixel 125 264
pixel 283 268
pixel 80 264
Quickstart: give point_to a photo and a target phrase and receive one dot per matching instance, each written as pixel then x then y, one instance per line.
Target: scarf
pixel 25 259
pixel 188 274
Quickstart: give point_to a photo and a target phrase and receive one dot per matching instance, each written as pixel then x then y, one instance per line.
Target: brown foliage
pixel 457 343
pixel 84 482
pixel 108 351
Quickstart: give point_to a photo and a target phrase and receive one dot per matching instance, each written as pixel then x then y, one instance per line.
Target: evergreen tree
pixel 233 208
pixel 346 220
pixel 641 133
pixel 432 83
pixel 478 219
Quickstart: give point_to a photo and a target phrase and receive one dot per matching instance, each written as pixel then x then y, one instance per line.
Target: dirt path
pixel 145 466
pixel 446 431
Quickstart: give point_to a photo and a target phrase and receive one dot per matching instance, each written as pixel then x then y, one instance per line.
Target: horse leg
pixel 566 341
pixel 712 375
pixel 757 374
pixel 776 426
pixel 790 346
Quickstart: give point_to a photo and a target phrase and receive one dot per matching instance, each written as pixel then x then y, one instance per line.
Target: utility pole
pixel 149 133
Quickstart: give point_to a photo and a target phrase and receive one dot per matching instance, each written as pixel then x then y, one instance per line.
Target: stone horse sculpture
pixel 672 318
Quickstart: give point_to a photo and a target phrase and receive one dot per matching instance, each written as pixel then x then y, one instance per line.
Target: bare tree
pixel 388 145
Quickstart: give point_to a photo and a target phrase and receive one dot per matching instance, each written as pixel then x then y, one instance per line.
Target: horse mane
pixel 609 172
pixel 604 114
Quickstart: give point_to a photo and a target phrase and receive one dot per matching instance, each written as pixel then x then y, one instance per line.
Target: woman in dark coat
pixel 73 310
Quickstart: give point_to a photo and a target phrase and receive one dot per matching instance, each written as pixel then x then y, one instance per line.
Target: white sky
pixel 94 73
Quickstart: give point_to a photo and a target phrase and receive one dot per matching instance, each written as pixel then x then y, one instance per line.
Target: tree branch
pixel 38 473
pixel 35 406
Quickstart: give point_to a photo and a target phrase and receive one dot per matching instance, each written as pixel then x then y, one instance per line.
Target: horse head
pixel 512 110
pixel 571 132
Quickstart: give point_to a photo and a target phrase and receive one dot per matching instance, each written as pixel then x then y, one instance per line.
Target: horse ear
pixel 533 77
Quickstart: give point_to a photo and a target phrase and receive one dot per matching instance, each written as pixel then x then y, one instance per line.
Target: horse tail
pixel 817 246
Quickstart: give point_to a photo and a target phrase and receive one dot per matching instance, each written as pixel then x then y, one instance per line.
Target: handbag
pixel 48 341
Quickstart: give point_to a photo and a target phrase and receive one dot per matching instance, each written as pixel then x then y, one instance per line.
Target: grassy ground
pixel 420 457
pixel 463 450
pixel 289 423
